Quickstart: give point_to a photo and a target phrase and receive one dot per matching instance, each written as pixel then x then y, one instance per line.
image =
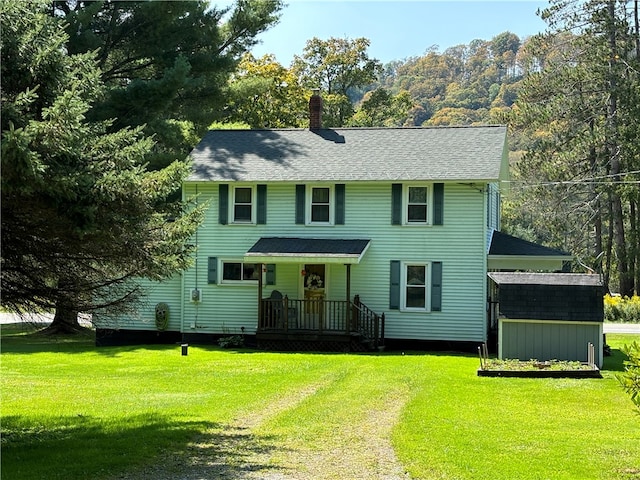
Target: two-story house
pixel 311 235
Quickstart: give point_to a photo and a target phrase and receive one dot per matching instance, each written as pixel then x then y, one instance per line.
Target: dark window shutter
pixel 436 286
pixel 396 204
pixel 212 271
pixel 262 205
pixel 271 274
pixel 394 285
pixel 340 204
pixel 438 203
pixel 300 202
pixel 223 203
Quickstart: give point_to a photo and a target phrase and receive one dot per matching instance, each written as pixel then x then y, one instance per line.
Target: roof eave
pixel 527 262
pixel 342 259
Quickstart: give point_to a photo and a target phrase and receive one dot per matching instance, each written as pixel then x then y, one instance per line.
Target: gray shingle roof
pixel 352 154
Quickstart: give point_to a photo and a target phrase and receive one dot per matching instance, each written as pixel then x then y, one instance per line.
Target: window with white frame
pixel 320 203
pixel 243 205
pixel 238 272
pixel 416 205
pixel 415 286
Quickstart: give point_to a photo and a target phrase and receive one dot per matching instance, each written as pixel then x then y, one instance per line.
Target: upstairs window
pixel 416 205
pixel 243 205
pixel 320 205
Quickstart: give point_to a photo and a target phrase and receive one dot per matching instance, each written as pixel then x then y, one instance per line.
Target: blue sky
pixel 396 29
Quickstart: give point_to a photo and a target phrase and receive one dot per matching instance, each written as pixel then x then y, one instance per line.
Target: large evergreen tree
pixel 165 63
pixel 581 109
pixel 81 215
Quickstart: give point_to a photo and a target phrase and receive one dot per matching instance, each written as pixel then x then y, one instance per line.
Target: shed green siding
pixel 549 340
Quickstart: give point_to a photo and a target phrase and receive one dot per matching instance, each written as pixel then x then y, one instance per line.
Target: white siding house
pixel 402 218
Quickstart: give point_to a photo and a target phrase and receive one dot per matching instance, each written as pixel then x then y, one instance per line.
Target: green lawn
pixel 74 411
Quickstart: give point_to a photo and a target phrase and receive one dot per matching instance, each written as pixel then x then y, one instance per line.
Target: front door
pixel 314 287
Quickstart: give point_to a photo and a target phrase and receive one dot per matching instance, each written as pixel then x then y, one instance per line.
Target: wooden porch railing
pixel 322 316
pixel 368 323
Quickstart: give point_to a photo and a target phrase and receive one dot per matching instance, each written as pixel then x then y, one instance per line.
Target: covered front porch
pixel 314 319
pixel 343 323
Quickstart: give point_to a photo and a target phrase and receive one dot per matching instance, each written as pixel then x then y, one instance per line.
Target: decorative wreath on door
pixel 314 281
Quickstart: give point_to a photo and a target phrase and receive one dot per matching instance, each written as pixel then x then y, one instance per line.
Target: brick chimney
pixel 315 110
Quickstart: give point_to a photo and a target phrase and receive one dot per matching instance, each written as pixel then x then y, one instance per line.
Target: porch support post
pixel 348 282
pixel 260 313
pixel 348 312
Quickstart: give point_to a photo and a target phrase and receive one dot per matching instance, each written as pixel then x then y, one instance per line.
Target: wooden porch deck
pixel 319 325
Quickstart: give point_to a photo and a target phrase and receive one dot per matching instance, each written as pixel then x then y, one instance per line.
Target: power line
pixel 585 181
pixel 574 182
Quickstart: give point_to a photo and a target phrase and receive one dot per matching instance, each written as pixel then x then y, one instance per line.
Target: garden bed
pixel 536 369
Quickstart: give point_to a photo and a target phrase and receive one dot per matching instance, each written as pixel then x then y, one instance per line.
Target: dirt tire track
pixel 236 451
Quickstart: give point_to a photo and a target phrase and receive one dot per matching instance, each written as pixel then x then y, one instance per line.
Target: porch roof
pixel 308 250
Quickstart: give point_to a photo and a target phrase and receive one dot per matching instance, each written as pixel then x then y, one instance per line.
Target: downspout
pixel 349 310
pixel 196 266
pixel 182 283
pixel 260 287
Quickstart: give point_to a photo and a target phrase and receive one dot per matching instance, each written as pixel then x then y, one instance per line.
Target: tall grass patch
pixel 622 309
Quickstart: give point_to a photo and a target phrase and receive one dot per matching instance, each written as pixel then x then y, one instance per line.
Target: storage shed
pixel 547 316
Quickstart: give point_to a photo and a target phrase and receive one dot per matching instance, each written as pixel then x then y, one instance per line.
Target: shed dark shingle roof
pixel 550 296
pixel 352 154
pixel 556 279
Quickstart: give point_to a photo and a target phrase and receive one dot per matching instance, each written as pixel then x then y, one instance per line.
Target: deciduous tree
pixel 336 66
pixel 379 108
pixel 264 94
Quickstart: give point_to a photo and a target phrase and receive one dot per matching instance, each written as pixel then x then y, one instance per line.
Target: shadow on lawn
pixel 224 452
pixel 137 447
pixel 21 339
pixel 614 362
